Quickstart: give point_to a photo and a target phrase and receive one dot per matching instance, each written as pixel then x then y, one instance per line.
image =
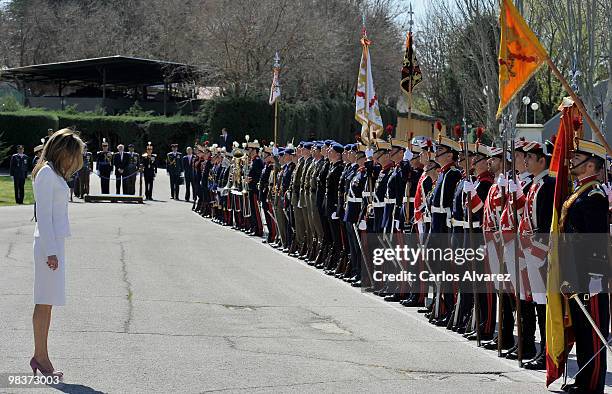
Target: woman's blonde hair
pixel 64 150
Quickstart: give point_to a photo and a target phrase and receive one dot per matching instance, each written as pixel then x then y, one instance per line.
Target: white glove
pixel 595 286
pixel 408 155
pixel 98 172
pixel 608 189
pixel 502 181
pixel 369 153
pixel 362 225
pixel 512 186
pixel 275 151
pixel 334 216
pixel 468 187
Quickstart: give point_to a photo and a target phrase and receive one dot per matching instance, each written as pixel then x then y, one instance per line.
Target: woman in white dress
pixel 61 158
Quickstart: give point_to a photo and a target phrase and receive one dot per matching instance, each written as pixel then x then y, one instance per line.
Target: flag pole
pixel 579 104
pixel 408 41
pixel 276 121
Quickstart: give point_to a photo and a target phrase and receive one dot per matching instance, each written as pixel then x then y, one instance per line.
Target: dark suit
pixel 189 178
pixel 121 160
pixel 226 142
pixel 19 172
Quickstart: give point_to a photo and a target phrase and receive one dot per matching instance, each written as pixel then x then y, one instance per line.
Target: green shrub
pixel 10 104
pixel 26 128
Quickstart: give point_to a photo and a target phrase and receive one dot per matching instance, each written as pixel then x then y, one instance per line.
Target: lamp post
pixel 534 108
pixel 526 101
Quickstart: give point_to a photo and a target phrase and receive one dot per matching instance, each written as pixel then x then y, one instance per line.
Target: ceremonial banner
pixel 367 111
pixel 275 91
pixel 520 54
pixel 558 339
pixel 411 71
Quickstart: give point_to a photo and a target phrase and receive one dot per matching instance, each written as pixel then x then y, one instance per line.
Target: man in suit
pixel 188 160
pixel 225 140
pixel 120 162
pixel 19 172
pixel 174 167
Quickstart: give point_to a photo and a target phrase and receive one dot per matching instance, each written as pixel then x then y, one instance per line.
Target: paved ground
pixel 161 300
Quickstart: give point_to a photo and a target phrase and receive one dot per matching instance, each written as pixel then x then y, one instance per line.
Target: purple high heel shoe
pixel 36 367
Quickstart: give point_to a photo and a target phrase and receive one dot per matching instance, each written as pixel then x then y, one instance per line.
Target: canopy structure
pixel 104 73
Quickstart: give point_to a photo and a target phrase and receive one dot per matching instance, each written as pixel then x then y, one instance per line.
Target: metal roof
pixel 113 70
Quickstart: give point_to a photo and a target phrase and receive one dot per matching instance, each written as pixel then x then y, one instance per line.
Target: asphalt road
pixel 161 300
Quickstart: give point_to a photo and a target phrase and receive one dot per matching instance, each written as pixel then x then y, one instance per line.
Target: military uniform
pixel 104 167
pixel 131 172
pixel 82 179
pixel 174 167
pixel 19 168
pixel 149 169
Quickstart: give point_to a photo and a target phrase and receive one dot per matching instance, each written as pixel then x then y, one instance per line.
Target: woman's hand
pixel 52 262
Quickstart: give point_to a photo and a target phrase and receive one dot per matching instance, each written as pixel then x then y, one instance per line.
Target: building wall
pixel 419 127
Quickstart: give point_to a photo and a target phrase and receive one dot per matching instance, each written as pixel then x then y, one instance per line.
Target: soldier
pixel 349 158
pixel 286 196
pixel 120 162
pixel 336 258
pixel 104 166
pixel 187 166
pixel 129 184
pixel 311 193
pixel 300 234
pixel 253 177
pixel 264 193
pixel 446 156
pixel 174 168
pixel 149 169
pixel 585 216
pixel 82 179
pixel 197 177
pixel 304 202
pixel 37 152
pixel 279 213
pixel 206 182
pixel 19 168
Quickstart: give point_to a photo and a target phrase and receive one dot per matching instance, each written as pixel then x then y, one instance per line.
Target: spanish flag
pixel 520 54
pixel 559 338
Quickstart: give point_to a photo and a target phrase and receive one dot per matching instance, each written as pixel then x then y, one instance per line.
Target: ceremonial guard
pixel 253 176
pixel 104 166
pixel 337 260
pixel 264 193
pixel 350 167
pixel 81 188
pixel 584 221
pixel 19 168
pixel 149 169
pixel 174 168
pixel 296 179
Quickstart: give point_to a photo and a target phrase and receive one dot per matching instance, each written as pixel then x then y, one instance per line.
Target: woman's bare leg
pixel 41 321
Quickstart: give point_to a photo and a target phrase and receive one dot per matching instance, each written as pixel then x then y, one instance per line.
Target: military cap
pixel 382 144
pixel 449 143
pixel 590 148
pixel 130 145
pixel 338 147
pixel 38 148
pixel 307 145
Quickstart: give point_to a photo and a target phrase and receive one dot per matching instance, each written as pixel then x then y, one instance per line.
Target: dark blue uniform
pixel 104 166
pixel 189 176
pixel 174 166
pixel 19 171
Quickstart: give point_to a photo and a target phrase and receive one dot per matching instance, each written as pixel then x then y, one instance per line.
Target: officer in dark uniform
pixel 81 187
pixel 441 204
pixel 174 167
pixel 256 167
pixel 104 166
pixel 19 168
pixel 586 212
pixel 37 153
pixel 330 206
pixel 286 195
pixel 264 193
pixel 149 169
pixel 350 167
pixel 130 174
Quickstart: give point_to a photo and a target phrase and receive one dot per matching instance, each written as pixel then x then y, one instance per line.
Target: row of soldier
pixel 317 201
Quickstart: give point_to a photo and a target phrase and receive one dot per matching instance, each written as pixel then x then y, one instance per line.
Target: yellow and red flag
pixel 520 54
pixel 367 111
pixel 559 337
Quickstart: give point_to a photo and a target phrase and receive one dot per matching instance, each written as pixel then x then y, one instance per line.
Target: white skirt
pixel 49 285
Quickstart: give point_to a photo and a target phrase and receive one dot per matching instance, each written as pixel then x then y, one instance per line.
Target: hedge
pixel 320 119
pixel 27 127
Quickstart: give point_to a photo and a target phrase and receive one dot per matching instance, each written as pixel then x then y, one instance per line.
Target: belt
pixel 378 204
pixel 237 192
pixel 354 199
pixel 389 200
pixel 458 223
pixel 406 199
pixel 439 210
pixel 366 194
pixel 474 224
